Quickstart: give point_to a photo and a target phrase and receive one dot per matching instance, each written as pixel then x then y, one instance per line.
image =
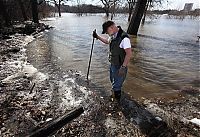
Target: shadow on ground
pixel 148 124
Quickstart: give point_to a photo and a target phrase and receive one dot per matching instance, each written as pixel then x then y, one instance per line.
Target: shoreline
pixel 27 99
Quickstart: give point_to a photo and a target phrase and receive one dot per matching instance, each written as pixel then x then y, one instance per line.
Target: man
pixel 119 56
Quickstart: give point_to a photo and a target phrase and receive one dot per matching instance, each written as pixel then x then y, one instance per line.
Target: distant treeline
pixel 84 8
pixel 195 12
pixel 99 9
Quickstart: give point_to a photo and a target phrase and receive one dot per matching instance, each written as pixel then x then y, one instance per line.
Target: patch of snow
pixel 49 119
pixel 41 77
pixel 49 19
pixel 110 123
pixel 158 118
pixel 28 39
pixel 195 121
pixel 29 70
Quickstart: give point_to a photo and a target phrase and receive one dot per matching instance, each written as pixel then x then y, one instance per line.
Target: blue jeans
pixel 115 79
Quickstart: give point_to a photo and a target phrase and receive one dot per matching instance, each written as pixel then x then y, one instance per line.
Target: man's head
pixel 109 27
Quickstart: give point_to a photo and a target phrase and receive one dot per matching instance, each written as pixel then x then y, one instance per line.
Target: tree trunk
pixel 130 11
pixel 34 7
pixel 145 12
pixel 113 10
pixel 59 12
pixel 107 12
pixel 22 9
pixel 3 11
pixel 136 17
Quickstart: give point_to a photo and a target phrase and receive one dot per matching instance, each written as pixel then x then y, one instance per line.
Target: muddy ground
pixel 30 100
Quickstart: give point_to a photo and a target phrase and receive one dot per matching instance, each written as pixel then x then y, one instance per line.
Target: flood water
pixel 165 54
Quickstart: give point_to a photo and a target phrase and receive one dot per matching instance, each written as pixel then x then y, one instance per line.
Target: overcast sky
pixel 172 4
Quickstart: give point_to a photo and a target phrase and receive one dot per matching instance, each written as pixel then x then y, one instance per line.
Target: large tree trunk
pixel 22 9
pixel 4 13
pixel 136 17
pixel 34 6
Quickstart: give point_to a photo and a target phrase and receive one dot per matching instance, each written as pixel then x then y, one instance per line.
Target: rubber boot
pixel 112 97
pixel 117 95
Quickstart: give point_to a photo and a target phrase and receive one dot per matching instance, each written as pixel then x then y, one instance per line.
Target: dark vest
pixel 117 54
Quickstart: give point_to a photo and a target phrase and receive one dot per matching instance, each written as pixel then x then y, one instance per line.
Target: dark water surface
pixel 165 55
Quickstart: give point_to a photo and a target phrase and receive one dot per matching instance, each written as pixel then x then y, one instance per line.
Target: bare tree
pixel 113 8
pixel 79 7
pixel 57 4
pixel 131 4
pixel 114 5
pixel 110 6
pixel 151 4
pixel 107 6
pixel 136 17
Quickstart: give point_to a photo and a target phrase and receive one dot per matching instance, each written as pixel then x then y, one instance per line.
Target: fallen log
pixel 57 123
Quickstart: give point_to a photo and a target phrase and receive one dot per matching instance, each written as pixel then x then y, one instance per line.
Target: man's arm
pixel 103 39
pixel 127 57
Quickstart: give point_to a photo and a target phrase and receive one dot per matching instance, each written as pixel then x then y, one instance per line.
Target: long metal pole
pixel 90 56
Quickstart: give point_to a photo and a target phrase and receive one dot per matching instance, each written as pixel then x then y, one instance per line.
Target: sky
pixel 172 4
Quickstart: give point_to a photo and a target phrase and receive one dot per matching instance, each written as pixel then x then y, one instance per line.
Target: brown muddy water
pixel 165 54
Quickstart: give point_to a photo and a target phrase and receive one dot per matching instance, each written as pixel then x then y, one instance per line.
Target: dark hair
pixel 106 25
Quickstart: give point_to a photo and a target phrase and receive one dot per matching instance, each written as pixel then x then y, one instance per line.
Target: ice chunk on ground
pixel 195 121
pixel 29 70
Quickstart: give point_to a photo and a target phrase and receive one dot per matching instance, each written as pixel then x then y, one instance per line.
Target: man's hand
pixel 95 35
pixel 122 71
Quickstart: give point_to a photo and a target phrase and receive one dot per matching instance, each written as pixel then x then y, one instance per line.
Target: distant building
pixel 188 6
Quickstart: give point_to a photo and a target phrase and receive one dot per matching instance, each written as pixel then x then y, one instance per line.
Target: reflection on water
pixel 165 58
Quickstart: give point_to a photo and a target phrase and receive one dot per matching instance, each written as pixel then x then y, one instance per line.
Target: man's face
pixel 111 30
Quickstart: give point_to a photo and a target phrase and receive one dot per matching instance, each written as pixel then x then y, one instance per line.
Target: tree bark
pixel 136 17
pixel 22 9
pixel 34 6
pixel 3 11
